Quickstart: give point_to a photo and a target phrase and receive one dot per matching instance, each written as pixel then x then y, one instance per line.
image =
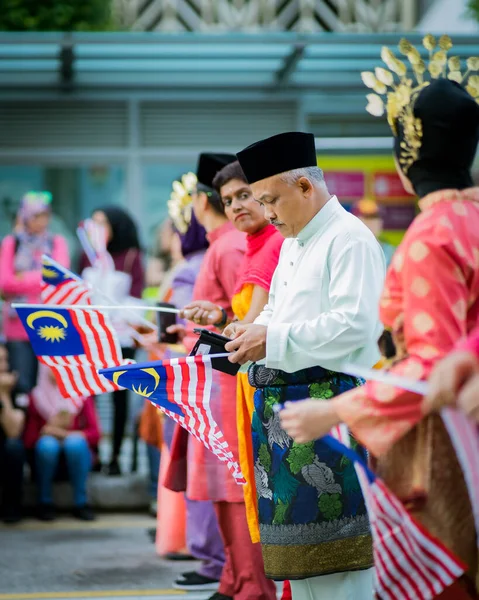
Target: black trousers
pixel 120 411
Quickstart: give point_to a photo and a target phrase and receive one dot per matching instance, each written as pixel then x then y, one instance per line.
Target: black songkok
pixel 278 154
pixel 209 163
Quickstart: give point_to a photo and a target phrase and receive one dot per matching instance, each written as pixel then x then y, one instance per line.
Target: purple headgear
pixel 194 239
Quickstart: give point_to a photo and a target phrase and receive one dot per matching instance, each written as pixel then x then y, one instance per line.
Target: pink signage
pixel 388 185
pixel 346 185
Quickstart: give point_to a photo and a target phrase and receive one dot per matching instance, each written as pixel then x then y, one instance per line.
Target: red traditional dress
pixel 430 301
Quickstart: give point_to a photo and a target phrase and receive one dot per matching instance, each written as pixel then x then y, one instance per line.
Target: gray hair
pixel 314 174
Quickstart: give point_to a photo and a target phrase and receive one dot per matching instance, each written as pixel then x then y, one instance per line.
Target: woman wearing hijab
pixel 60 433
pixel 430 300
pixel 124 247
pixel 21 278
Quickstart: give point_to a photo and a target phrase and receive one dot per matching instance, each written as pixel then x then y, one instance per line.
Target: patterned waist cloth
pixel 312 515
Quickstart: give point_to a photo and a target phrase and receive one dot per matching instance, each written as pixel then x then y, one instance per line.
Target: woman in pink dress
pixel 430 300
pixel 21 278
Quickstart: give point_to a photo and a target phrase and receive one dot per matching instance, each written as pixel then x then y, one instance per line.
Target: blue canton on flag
pixel 74 343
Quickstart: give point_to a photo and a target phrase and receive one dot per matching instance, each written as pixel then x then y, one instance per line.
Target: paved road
pixel 112 557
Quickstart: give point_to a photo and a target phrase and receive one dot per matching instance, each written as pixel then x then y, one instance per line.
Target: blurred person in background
pixel 21 277
pixel 12 419
pixel 60 437
pixel 123 245
pixel 370 214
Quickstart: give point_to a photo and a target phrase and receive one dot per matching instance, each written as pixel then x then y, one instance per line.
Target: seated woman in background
pixel 12 419
pixel 60 436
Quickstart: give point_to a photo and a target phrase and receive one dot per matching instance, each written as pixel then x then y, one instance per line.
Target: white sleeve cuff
pixel 276 345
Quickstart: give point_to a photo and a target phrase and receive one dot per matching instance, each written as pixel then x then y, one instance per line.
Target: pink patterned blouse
pixel 431 301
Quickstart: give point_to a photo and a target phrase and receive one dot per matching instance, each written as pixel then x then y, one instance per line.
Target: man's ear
pixel 305 186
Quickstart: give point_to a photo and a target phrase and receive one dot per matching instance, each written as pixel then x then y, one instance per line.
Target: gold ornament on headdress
pixel 401 91
pixel 179 204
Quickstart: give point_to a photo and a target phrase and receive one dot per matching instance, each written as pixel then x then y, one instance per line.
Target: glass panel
pixel 76 192
pixel 157 180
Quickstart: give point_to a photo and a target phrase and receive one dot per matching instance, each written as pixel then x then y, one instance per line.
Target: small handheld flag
pixel 409 561
pixel 181 388
pixel 61 286
pixel 74 343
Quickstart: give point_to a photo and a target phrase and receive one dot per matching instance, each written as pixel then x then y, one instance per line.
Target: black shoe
pixel 46 512
pixel 219 596
pixel 84 513
pixel 113 468
pixel 195 582
pixel 178 556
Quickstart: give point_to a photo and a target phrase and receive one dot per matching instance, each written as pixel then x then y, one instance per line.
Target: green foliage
pixel 322 391
pixel 280 513
pixel 56 15
pixel 330 506
pixel 299 456
pixel 264 457
pixel 473 9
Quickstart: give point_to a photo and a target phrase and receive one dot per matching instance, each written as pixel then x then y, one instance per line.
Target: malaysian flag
pixel 74 343
pixel 181 388
pixel 61 286
pixel 409 561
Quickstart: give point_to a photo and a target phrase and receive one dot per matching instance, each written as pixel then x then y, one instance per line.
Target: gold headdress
pixel 179 204
pixel 401 92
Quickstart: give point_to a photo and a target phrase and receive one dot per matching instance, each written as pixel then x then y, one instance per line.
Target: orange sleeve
pixel 432 279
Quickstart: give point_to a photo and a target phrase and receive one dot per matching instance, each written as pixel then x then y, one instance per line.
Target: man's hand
pixel 468 399
pixel 179 329
pixel 308 420
pixel 447 378
pixel 202 312
pixel 249 343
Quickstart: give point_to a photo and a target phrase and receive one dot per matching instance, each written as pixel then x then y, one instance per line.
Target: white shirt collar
pixel 319 220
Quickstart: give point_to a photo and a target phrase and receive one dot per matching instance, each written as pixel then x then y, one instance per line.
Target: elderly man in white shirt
pixel 322 312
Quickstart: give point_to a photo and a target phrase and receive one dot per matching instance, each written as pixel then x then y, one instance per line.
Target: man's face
pixel 283 203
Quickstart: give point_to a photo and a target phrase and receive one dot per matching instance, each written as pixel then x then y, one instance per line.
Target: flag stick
pixel 96 307
pixel 417 387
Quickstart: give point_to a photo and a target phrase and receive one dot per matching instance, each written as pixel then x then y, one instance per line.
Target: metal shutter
pixel 63 124
pixel 213 125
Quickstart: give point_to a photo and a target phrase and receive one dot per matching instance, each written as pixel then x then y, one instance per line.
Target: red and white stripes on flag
pixel 196 373
pixel 77 376
pixel 70 291
pixel 181 388
pixel 409 562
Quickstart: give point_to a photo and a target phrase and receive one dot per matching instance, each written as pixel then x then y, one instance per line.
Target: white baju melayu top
pixel 323 306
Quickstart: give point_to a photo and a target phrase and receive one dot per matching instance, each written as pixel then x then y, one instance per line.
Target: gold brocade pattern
pixel 429 481
pixel 314 560
pixel 402 91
